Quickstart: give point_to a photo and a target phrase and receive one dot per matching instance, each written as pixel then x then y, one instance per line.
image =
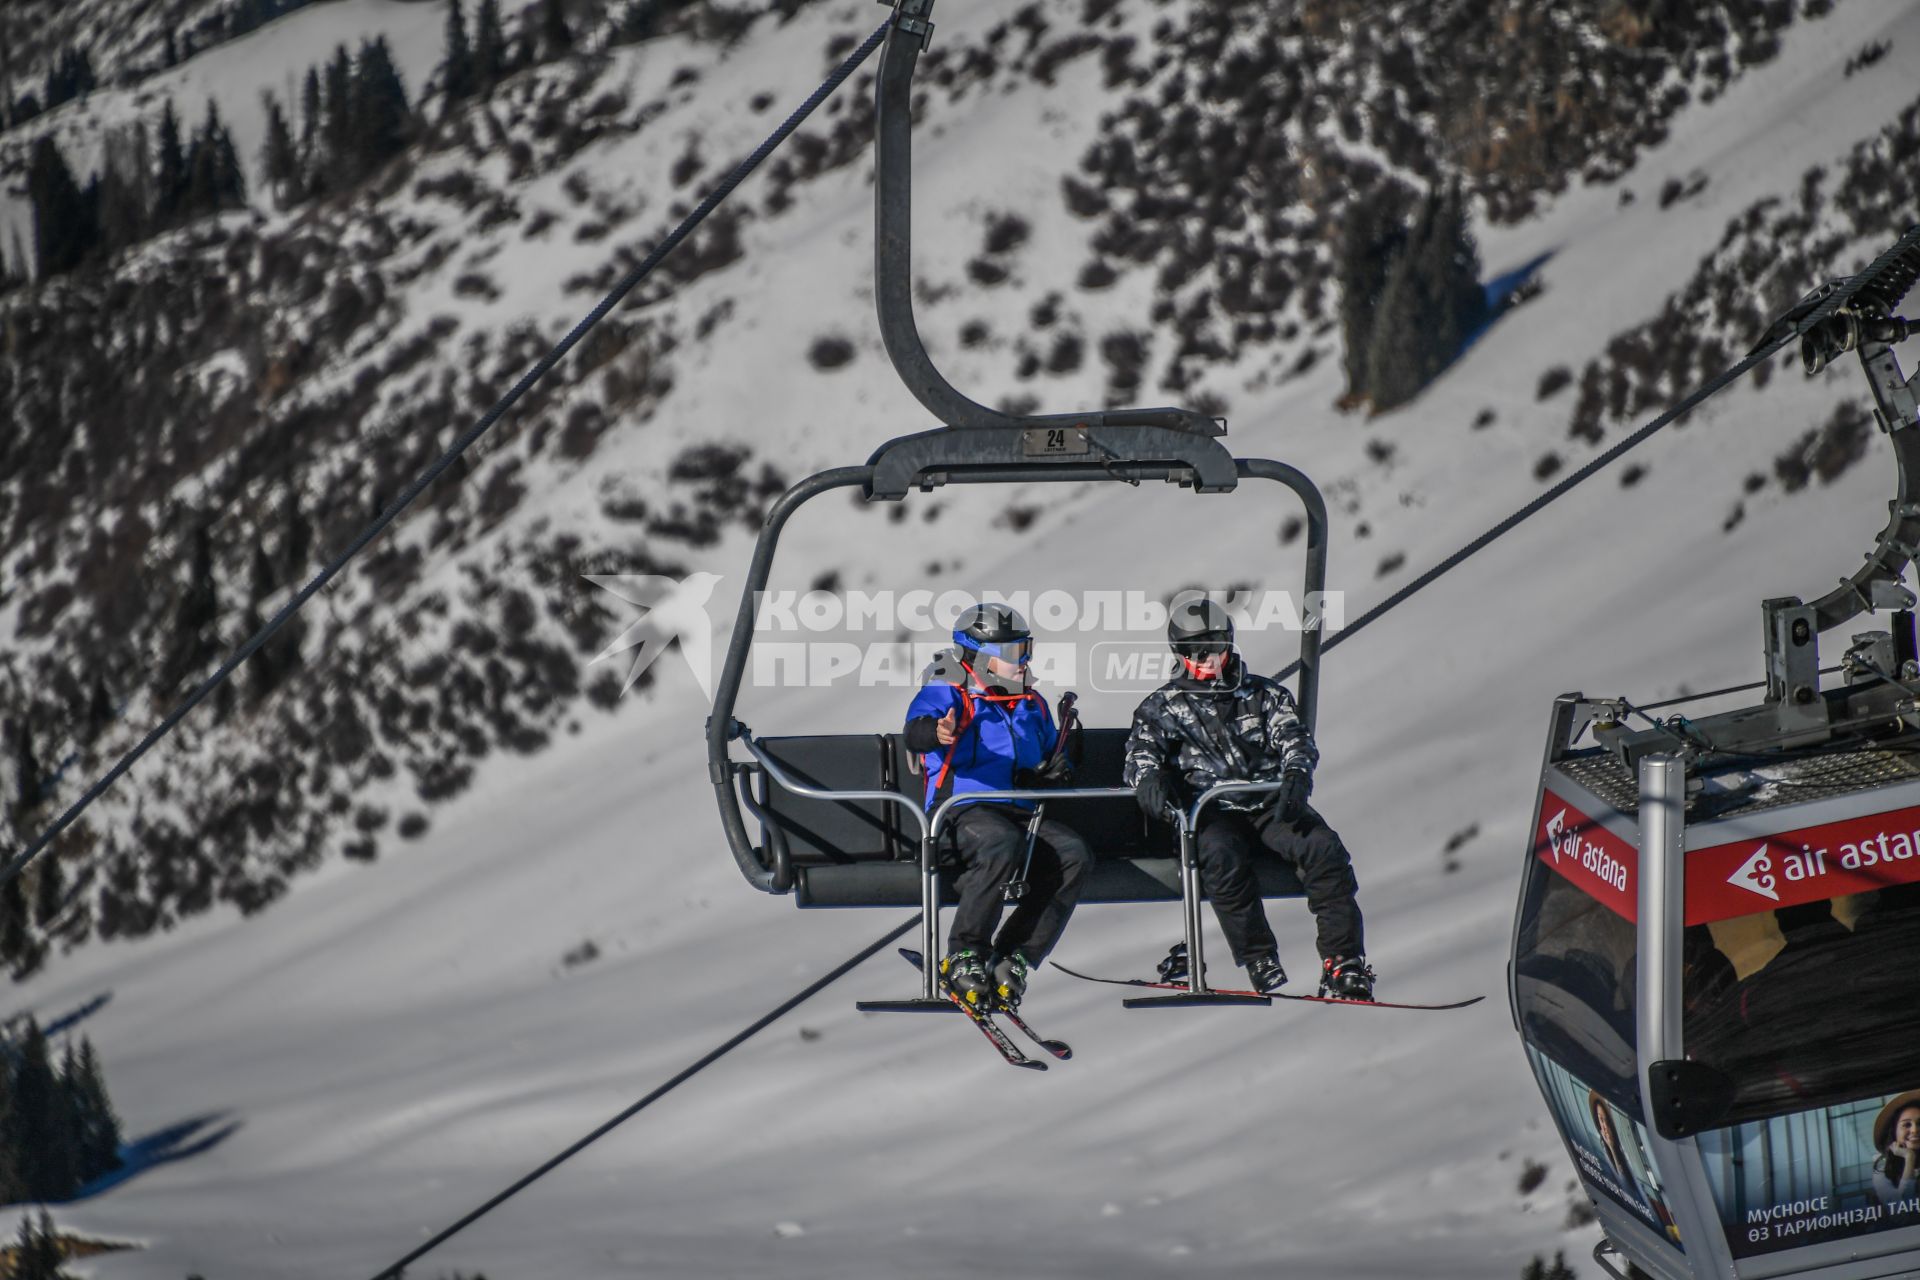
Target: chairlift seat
pixel 865 853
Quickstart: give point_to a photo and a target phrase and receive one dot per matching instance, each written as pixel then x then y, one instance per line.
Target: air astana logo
pixel 675 609
pixel 1586 853
pixel 1556 827
pixel 1756 875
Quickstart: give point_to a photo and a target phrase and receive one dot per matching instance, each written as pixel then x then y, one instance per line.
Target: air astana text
pixel 1810 864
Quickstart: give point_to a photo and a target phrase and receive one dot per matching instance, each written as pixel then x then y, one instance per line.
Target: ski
pixel 995 1034
pixel 1058 1048
pixel 1276 995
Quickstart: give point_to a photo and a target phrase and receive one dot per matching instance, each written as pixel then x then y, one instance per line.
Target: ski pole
pixel 1017 887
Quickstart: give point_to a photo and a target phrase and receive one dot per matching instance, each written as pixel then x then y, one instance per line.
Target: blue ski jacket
pixel 998 734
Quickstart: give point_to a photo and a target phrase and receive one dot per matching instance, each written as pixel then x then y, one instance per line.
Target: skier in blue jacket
pixel 979 726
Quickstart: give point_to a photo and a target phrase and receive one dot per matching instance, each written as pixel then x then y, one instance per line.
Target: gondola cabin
pixel 1716 956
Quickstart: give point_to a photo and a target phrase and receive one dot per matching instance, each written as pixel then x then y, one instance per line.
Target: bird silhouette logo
pixel 675 609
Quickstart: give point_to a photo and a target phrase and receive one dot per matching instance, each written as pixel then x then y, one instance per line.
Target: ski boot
pixel 964 973
pixel 1010 980
pixel 1346 978
pixel 1176 967
pixel 1264 973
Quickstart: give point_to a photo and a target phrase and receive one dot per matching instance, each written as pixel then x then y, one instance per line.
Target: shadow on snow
pixel 163 1146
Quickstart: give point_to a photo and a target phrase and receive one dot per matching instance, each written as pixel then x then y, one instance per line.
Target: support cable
pixel 19 861
pixel 758 1025
pixel 1540 502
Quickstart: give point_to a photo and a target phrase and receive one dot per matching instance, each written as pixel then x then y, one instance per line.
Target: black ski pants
pixel 1228 843
pixel 992 841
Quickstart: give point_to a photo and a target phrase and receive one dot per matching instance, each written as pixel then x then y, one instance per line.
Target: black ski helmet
pixel 994 629
pixel 1199 626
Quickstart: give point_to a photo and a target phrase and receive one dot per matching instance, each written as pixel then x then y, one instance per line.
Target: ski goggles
pixel 1017 652
pixel 1202 646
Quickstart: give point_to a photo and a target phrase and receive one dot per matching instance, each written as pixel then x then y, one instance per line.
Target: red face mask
pixel 1208 668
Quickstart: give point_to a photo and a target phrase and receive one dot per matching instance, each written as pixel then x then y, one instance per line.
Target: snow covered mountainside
pixel 327 926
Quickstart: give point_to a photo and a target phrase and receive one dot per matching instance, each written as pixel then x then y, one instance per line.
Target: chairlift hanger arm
pixel 893 258
pixel 911 16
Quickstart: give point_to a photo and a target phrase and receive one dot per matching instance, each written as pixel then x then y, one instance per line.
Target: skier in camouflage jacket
pixel 1216 722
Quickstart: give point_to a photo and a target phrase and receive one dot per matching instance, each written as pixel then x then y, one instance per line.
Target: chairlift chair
pixel 840 818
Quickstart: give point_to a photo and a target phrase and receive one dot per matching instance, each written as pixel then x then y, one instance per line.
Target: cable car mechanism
pixel 1716 955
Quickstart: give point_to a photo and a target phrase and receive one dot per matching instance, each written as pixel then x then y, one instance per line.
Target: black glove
pixel 1054 772
pixel 1158 793
pixel 1290 801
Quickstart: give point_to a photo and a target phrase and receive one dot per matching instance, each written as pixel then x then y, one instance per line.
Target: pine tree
pixel 1540 1269
pixel 45 1126
pixel 261 579
pixel 100 711
pixel 37 1256
pixel 96 1128
pixel 26 767
pixel 124 188
pixel 230 180
pixel 456 67
pixel 170 171
pixel 1397 343
pixel 1371 236
pixel 489 47
pixel 641 21
pixel 214 179
pixel 1431 304
pixel 381 118
pixel 310 108
pixel 1454 260
pixel 61 236
pixel 199 608
pixel 336 127
pixel 49 889
pixel 70 77
pixel 278 158
pixel 16 933
pixel 554 33
pixel 202 194
pixel 6 81
pixel 11 1189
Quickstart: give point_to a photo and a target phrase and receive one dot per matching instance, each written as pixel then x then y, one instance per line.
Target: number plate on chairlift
pixel 1050 442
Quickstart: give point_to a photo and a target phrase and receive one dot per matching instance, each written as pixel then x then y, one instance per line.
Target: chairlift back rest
pixel 866 852
pixel 827 832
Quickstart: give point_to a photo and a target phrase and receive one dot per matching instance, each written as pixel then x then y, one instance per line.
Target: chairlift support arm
pixel 893 258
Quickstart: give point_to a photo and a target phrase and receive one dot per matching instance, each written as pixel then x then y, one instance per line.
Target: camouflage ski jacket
pixel 1244 730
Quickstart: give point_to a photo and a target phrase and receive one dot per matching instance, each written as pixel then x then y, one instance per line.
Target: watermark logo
pixel 675 609
pixel 1112 641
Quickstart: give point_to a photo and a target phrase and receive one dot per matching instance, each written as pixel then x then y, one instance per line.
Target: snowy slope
pixel 232 77
pixel 391 1045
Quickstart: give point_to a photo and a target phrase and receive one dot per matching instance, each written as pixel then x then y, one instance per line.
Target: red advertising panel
pixel 1810 864
pixel 1599 863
